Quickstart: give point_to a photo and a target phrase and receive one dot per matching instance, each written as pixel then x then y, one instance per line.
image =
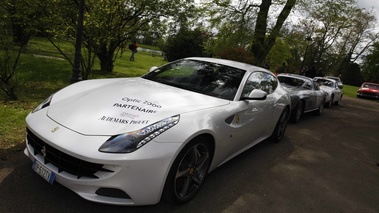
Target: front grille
pixel 63 161
pixel 369 94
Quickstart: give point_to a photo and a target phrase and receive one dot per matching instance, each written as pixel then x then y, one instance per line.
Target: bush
pixel 186 43
pixel 237 54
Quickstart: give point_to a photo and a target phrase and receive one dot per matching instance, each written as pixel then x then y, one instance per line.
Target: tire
pixel 320 108
pixel 329 103
pixel 188 172
pixel 281 126
pixel 339 101
pixel 297 112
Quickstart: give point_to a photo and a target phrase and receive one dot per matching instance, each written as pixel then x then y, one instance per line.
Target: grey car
pixel 306 95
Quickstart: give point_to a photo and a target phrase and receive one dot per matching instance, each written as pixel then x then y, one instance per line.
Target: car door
pixel 310 95
pixel 254 117
pixel 337 92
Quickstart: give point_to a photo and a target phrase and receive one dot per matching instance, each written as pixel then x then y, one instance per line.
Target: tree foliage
pixel 237 54
pixel 186 43
pixel 340 32
pixel 108 25
pixel 352 75
pixel 262 44
pixel 331 34
pixel 10 50
pixel 370 68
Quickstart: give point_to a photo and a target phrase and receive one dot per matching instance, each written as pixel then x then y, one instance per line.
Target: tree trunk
pixel 75 77
pixel 262 46
pixel 258 46
pixel 106 60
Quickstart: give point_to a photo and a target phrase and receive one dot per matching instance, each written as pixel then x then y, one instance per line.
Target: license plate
pixel 44 172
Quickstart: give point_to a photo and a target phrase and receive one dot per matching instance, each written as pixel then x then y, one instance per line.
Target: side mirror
pixel 153 68
pixel 256 94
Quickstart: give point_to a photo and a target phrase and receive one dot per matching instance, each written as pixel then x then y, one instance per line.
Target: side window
pixel 260 80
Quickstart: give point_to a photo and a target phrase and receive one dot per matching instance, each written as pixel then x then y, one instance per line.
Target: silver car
pixel 306 95
pixel 330 86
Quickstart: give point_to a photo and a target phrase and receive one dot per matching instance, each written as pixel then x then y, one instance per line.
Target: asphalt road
pixel 327 163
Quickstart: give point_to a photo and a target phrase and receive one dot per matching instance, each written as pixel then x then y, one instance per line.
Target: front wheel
pixel 338 102
pixel 330 103
pixel 281 126
pixel 188 172
pixel 320 108
pixel 297 112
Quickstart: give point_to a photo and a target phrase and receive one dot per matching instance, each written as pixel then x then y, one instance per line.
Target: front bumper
pixel 368 94
pixel 134 178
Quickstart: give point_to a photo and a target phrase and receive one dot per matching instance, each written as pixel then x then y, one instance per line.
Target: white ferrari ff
pixel 133 141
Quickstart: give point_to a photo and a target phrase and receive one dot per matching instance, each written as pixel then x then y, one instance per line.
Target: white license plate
pixel 44 172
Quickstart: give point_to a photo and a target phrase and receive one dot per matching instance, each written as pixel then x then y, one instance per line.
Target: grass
pixel 350 91
pixel 42 72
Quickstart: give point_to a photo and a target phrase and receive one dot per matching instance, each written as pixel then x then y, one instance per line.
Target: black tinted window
pixel 199 76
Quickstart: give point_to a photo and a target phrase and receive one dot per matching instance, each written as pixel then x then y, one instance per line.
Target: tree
pixel 22 17
pixel 279 54
pixel 246 24
pixel 10 53
pixel 233 22
pixel 237 54
pixel 108 25
pixel 370 67
pixel 340 33
pixel 352 75
pixel 186 43
pixel 262 43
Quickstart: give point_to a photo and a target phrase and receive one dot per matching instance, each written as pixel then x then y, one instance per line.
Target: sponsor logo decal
pixel 122 121
pixel 131 111
pixel 132 107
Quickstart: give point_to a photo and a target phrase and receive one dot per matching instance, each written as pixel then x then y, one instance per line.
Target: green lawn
pixel 350 91
pixel 43 71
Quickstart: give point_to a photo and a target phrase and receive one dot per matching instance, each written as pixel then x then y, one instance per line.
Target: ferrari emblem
pixel 43 151
pixel 237 118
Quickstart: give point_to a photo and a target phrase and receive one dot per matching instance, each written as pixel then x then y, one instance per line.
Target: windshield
pixel 325 82
pixel 203 77
pixel 373 86
pixel 295 82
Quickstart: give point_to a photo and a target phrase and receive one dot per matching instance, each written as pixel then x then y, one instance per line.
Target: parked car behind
pixel 306 95
pixel 330 86
pixel 339 81
pixel 369 90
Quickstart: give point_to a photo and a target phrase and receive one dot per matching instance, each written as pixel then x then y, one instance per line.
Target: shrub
pixel 237 54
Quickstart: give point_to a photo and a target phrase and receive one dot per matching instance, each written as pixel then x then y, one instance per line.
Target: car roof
pixel 295 76
pixel 333 77
pixel 226 62
pixel 325 78
pixel 370 83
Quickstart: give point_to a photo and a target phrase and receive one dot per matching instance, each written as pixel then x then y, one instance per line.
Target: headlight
pixel 131 141
pixel 44 104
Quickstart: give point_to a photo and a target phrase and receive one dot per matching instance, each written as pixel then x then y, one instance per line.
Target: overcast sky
pixel 369 5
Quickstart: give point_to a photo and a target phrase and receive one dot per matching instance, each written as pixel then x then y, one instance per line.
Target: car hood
pixel 293 90
pixel 119 106
pixel 327 89
pixel 369 90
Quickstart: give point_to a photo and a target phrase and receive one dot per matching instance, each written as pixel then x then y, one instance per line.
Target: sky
pixel 370 5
